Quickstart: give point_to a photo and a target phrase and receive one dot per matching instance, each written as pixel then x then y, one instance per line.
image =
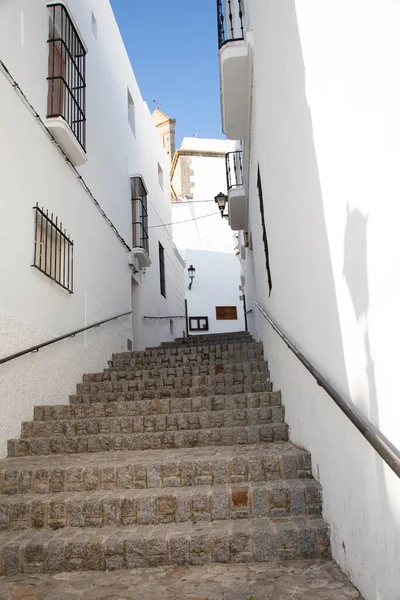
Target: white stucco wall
pixel 325 131
pixel 32 307
pixel 206 242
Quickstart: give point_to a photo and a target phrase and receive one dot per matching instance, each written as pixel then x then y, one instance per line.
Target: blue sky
pixel 174 54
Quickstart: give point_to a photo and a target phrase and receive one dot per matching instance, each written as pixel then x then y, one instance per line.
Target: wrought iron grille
pixel 67 76
pixel 234 169
pixel 230 21
pixel 54 250
pixel 140 234
pixel 162 269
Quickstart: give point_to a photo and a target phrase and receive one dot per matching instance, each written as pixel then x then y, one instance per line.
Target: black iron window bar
pixel 230 21
pixel 140 226
pixel 54 250
pixel 234 169
pixel 67 73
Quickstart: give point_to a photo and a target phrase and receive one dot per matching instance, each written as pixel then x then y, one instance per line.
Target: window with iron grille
pixel 162 269
pixel 140 234
pixel 66 78
pixel 54 250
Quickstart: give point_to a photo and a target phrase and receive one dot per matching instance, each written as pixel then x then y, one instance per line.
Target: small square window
pixel 160 176
pixel 198 323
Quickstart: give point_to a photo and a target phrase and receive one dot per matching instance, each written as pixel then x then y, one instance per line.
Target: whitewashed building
pixel 214 300
pixel 308 91
pixel 85 231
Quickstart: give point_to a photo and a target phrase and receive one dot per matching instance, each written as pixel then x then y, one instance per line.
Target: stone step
pixel 117 405
pixel 240 541
pixel 119 508
pixel 206 349
pixel 132 361
pixel 166 387
pixel 218 436
pixel 191 342
pixel 156 371
pixel 150 423
pixel 153 469
pixel 237 335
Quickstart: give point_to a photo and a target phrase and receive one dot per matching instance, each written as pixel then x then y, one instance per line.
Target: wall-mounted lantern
pixel 191 271
pixel 222 200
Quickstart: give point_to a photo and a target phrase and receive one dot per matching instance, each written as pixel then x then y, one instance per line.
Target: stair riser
pixel 218 349
pixel 220 545
pixel 184 360
pixel 114 408
pixel 168 474
pixel 161 371
pixel 274 500
pixel 153 423
pixel 143 441
pixel 137 391
pixel 131 382
pixel 170 393
pixel 210 339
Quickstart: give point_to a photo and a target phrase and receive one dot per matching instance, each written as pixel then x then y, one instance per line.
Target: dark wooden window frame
pixel 198 328
pixel 161 257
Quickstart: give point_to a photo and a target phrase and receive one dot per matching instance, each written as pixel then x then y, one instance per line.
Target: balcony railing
pixel 234 169
pixel 140 234
pixel 230 21
pixel 67 73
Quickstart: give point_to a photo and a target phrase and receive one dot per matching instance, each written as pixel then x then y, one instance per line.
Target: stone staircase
pixel 178 455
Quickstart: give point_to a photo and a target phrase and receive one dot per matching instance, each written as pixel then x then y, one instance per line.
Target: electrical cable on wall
pixel 186 220
pixel 34 112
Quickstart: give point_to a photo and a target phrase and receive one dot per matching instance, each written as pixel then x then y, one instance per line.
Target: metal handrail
pixel 377 440
pixel 59 338
pixel 173 317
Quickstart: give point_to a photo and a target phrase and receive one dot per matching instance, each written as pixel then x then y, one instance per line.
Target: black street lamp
pixel 221 200
pixel 191 271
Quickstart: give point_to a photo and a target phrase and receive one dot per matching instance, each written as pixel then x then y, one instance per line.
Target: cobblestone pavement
pixel 289 580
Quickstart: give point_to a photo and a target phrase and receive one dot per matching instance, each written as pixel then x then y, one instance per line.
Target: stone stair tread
pixel 159 371
pixel 189 438
pixel 198 503
pixel 153 406
pixel 176 349
pixel 163 421
pixel 153 468
pixel 117 458
pixel 207 488
pixel 250 540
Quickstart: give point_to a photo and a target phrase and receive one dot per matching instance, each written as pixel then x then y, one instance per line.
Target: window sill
pixel 67 140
